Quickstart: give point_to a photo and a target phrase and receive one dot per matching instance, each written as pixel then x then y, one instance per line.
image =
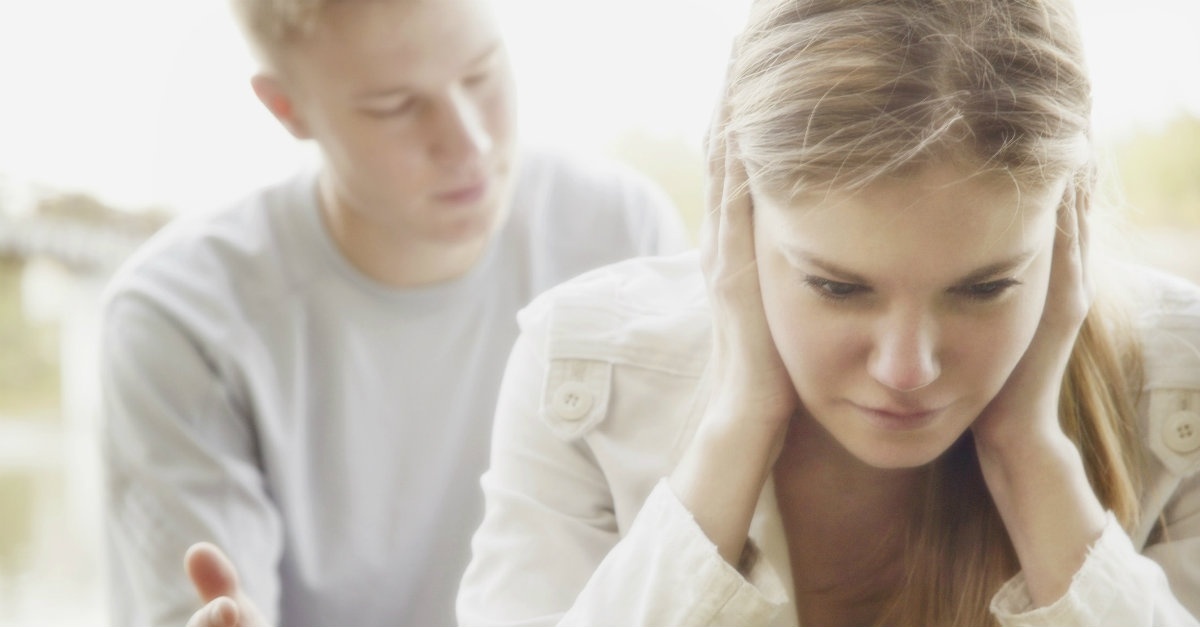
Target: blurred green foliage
pixel 1159 174
pixel 29 373
pixel 672 162
pixel 28 391
pixel 16 525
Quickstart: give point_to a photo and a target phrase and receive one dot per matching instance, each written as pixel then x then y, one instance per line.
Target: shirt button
pixel 573 400
pixel 1182 431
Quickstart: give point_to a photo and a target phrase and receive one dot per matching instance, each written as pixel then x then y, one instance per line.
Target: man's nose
pixel 461 134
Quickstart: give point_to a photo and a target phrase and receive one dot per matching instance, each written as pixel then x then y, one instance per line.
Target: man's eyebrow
pixel 400 90
pixel 483 56
pixel 975 276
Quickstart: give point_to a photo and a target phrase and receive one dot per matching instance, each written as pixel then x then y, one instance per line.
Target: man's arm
pixel 181 465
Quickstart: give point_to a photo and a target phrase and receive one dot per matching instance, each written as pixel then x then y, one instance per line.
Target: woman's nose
pixel 904 357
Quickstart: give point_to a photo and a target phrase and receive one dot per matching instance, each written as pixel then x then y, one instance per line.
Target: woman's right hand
pixel 751 397
pixel 748 381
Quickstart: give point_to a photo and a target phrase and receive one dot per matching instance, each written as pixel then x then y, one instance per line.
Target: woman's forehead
pixel 937 218
pixel 942 184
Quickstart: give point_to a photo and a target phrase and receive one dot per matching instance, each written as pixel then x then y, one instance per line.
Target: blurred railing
pixel 50 459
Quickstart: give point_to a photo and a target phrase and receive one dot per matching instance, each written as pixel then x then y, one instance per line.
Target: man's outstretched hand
pixel 216 581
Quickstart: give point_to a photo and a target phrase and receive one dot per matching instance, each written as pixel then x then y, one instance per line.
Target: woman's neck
pixel 809 450
pixel 844 522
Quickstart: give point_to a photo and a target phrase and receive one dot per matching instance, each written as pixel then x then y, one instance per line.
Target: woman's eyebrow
pixel 827 266
pixel 1003 266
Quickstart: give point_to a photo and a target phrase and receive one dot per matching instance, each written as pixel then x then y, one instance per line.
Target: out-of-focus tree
pixel 673 163
pixel 84 235
pixel 29 360
pixel 1159 174
pixel 1152 178
pixel 86 239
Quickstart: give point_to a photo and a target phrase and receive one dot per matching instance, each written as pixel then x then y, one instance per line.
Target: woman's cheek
pixel 998 345
pixel 815 343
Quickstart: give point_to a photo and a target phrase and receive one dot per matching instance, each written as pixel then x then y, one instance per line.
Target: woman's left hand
pixel 1033 471
pixel 1027 406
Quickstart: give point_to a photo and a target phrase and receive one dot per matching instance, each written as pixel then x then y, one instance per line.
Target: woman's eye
pixel 834 290
pixel 989 290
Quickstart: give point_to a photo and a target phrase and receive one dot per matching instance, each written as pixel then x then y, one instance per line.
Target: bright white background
pixel 146 102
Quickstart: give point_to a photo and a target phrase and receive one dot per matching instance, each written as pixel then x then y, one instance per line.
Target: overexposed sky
pixel 147 102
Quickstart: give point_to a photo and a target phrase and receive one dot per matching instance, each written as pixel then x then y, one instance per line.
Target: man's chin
pixel 467 229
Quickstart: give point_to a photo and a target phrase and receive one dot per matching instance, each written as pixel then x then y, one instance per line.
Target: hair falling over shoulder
pixel 835 94
pixel 958 552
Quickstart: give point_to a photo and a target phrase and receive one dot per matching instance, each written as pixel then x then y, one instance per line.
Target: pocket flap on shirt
pixel 575 396
pixel 1174 433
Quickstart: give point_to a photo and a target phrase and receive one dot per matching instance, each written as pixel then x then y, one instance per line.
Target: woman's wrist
pixel 1051 514
pixel 1014 430
pixel 721 475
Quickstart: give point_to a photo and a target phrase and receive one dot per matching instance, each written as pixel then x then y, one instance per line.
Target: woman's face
pixel 900 310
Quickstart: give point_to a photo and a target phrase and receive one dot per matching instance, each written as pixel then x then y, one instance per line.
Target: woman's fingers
pixel 745 360
pixel 715 182
pixel 1070 293
pixel 717 151
pixel 1083 241
pixel 727 240
pixel 1030 396
pixel 735 235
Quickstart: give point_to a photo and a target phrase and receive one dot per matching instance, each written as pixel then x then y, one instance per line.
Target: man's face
pixel 901 310
pixel 412 104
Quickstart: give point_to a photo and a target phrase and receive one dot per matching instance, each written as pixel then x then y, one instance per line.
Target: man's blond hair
pixel 271 25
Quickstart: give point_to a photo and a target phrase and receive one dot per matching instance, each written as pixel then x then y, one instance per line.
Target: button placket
pixel 572 400
pixel 1175 429
pixel 1181 432
pixel 575 397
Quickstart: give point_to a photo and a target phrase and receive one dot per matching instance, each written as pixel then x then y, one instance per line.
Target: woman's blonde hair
pixel 835 94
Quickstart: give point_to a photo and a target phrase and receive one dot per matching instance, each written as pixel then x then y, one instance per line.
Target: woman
pixel 886 394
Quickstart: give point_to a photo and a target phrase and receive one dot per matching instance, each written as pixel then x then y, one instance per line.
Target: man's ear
pixel 275 97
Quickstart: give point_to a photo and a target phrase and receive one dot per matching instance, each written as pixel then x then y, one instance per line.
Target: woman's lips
pixel 898 418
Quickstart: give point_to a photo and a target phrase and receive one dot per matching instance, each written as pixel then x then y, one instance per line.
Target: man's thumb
pixel 211 572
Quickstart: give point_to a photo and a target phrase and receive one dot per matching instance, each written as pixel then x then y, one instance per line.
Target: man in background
pixel 307 378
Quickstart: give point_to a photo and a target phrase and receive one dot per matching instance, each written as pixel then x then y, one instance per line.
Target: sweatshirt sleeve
pixel 180 460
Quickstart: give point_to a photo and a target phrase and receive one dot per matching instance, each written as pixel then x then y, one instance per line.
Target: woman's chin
pixel 898 455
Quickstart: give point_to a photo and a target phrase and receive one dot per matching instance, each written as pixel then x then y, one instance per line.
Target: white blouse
pixel 601 398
